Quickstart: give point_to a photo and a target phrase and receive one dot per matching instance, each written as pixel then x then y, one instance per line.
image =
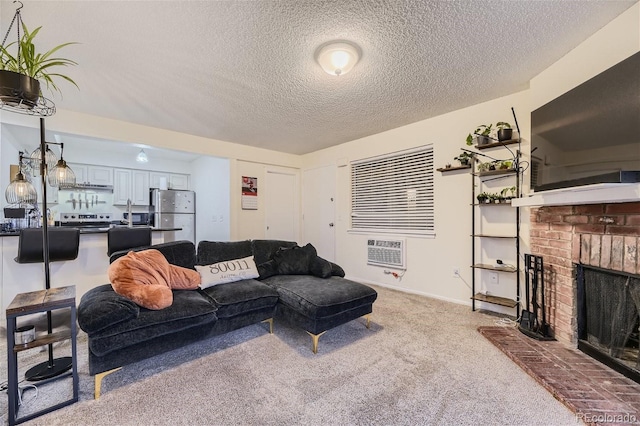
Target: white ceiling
pixel 244 71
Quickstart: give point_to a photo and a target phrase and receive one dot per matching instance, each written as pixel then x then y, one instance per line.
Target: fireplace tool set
pixel 533 321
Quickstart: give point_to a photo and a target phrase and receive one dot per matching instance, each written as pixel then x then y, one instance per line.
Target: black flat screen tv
pixel 590 134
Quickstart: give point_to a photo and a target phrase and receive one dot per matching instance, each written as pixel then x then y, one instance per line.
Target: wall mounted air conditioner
pixel 386 252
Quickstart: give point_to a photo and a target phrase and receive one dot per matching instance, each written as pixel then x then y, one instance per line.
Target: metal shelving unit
pixel 478 179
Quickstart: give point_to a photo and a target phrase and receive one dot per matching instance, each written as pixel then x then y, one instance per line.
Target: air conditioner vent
pixel 386 252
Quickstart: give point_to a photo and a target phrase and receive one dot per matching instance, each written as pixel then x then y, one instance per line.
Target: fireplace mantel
pixel 588 194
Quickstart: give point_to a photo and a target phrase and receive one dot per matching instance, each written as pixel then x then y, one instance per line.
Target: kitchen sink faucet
pixel 129 217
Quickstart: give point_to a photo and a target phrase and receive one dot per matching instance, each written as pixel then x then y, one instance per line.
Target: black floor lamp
pixel 20 93
pixel 57 174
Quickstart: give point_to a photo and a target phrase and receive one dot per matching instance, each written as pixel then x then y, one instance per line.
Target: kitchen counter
pixel 89 230
pixel 87 271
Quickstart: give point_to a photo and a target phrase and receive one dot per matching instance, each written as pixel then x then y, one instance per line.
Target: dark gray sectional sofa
pixel 121 332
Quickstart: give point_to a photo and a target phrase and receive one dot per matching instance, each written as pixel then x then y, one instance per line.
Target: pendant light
pixel 20 190
pixel 142 157
pixel 49 157
pixel 61 176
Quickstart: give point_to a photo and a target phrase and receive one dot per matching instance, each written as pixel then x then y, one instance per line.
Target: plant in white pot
pixel 22 67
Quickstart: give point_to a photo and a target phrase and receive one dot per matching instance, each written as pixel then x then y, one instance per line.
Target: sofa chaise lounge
pixel 290 287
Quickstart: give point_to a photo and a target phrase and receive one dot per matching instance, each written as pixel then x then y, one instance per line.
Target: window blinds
pixel 394 193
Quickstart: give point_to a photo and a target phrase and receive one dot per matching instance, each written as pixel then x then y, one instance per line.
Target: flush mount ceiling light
pixel 338 57
pixel 142 157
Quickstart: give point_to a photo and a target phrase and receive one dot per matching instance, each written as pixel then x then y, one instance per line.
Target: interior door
pixel 281 205
pixel 318 210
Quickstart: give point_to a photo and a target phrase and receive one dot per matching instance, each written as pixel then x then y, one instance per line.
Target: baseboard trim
pixel 411 291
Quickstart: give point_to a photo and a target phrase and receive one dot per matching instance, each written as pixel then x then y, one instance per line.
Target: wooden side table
pixel 30 303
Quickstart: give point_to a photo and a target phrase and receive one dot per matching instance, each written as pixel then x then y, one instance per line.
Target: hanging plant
pixel 22 67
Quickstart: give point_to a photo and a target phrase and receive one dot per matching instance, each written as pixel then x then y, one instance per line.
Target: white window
pixel 394 193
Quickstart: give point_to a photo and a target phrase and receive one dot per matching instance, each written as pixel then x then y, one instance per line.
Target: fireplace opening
pixel 609 318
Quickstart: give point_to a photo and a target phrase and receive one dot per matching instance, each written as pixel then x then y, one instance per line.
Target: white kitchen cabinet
pixel 52 191
pixel 174 180
pixel 96 175
pixel 80 170
pixel 99 175
pixel 140 187
pixel 131 185
pixel 178 181
pixel 52 194
pixel 121 186
pixel 156 177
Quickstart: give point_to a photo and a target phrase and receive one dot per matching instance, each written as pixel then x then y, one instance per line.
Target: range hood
pixel 91 186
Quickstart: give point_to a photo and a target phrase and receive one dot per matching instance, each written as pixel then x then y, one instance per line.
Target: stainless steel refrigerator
pixel 171 208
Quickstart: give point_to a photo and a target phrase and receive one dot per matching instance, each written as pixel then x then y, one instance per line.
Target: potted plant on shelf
pixel 505 165
pixel 505 132
pixel 482 134
pixel 512 193
pixel 20 71
pixel 482 197
pixel 464 158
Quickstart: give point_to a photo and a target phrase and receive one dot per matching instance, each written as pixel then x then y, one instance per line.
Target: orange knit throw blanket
pixel 147 278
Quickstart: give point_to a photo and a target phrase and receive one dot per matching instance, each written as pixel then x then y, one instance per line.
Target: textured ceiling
pixel 244 71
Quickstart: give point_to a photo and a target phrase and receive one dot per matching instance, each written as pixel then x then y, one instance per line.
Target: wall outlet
pixel 493 278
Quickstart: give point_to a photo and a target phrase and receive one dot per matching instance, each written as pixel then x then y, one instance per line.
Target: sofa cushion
pixel 101 307
pixel 190 308
pixel 180 253
pixel 317 297
pixel 295 260
pixel 239 297
pixel 218 251
pixel 227 271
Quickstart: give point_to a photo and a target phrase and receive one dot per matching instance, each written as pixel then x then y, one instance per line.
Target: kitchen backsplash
pixel 87 201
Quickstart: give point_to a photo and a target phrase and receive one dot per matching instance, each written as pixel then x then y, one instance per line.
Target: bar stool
pixel 63 245
pixel 119 239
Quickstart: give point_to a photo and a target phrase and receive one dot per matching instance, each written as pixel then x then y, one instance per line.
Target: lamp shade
pixel 338 58
pixel 49 158
pixel 61 175
pixel 20 191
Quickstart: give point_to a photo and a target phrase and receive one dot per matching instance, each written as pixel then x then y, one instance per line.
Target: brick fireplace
pixel 601 235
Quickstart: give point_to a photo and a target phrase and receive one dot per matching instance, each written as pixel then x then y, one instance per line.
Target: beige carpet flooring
pixel 423 362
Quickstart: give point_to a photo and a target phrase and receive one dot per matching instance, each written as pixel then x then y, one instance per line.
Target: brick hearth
pixel 603 235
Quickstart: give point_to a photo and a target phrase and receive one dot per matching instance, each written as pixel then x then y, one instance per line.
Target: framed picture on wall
pixel 249 193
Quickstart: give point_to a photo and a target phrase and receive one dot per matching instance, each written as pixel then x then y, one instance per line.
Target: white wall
pixel 430 261
pixel 210 181
pixel 613 43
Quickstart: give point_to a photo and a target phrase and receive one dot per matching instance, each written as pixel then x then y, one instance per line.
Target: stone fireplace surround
pixel 603 235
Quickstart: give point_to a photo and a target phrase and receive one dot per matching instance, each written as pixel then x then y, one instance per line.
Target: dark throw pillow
pixel 320 267
pixel 336 270
pixel 295 260
pixel 267 269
